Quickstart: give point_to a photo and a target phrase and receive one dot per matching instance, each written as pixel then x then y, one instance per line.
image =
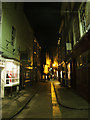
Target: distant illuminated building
pixel 47 66
pixel 46 69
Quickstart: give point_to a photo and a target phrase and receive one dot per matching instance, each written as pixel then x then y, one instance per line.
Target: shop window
pixel 69 71
pixel 83 59
pixel 12 73
pixel 27 75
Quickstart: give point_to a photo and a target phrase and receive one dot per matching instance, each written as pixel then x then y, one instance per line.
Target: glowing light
pixel 69 71
pixel 59 41
pixel 29 67
pixel 27 80
pixel 57 73
pixel 34 52
pixel 81 64
pixel 49 76
pixel 48 61
pixel 61 74
pixel 46 69
pixel 55 64
pixel 34 40
pixel 43 77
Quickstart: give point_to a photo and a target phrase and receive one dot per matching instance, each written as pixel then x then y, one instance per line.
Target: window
pixel 13 35
pixel 12 73
pixel 83 60
pixel 76 33
pixel 84 18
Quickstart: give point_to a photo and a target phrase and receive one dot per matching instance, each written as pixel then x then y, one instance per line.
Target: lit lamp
pixel 53 65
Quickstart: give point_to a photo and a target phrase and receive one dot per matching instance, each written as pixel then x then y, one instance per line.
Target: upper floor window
pixel 84 18
pixel 13 35
pixel 76 32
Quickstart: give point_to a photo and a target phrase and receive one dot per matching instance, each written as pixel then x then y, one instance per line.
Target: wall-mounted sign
pixel 68 46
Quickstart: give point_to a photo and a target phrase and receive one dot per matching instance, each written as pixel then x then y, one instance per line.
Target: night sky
pixel 45 21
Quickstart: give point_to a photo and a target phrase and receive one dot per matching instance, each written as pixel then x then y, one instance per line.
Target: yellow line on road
pixel 56 110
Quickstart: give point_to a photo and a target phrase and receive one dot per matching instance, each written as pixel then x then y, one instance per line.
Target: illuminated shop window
pixel 12 73
pixel 27 75
pixel 69 71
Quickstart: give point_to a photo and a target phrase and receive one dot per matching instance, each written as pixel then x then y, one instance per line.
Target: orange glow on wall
pixel 48 63
pixel 46 69
pixel 55 64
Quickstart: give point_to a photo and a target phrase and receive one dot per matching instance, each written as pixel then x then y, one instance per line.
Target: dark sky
pixel 45 20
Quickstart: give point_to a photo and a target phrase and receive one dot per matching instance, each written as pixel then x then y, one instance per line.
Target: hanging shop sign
pixel 68 46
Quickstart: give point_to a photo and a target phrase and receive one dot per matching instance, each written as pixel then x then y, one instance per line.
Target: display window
pixel 27 74
pixel 83 60
pixel 68 67
pixel 12 73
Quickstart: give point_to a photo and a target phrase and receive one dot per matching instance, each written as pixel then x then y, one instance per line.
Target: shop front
pixel 10 72
pixel 68 75
pixel 63 73
pixel 82 73
pixel 12 76
pixel 28 76
pixel 2 76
